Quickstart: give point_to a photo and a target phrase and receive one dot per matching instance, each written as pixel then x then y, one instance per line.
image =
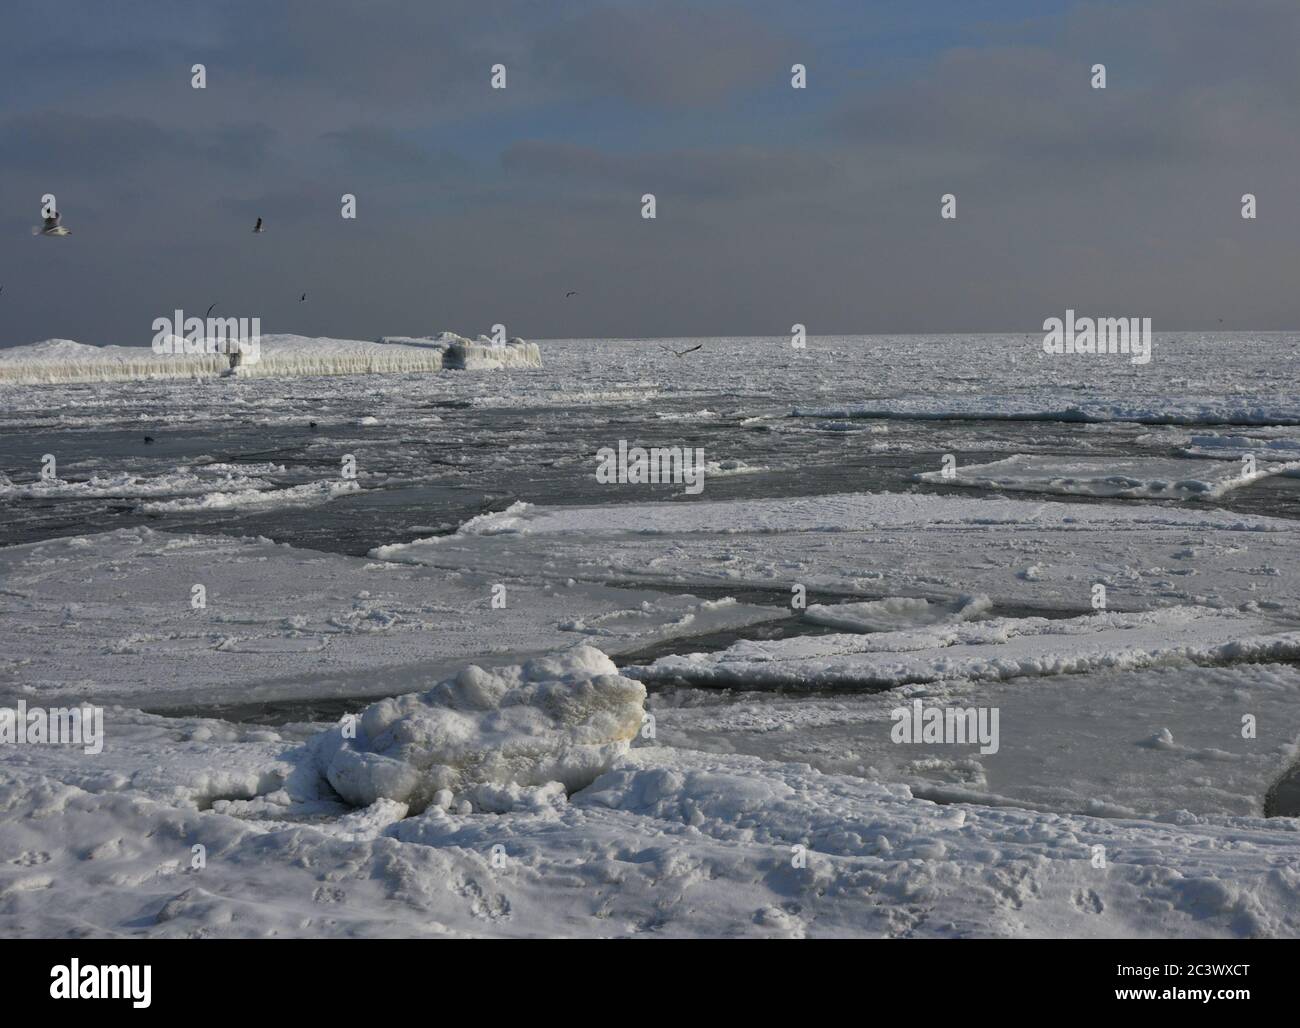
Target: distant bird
pixel 209 314
pixel 311 424
pixel 680 353
pixel 258 226
pixel 303 298
pixel 148 439
pixel 51 227
pixel 571 292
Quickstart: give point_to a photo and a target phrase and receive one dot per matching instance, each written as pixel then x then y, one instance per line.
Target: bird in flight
pixel 680 353
pixel 571 292
pixel 302 298
pixel 258 226
pixel 51 227
pixel 209 314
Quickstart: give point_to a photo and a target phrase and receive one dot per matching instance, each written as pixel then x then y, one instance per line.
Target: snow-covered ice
pixel 109 618
pixel 997 648
pixel 931 547
pixel 477 694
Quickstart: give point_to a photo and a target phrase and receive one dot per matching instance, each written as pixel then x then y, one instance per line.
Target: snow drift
pixel 555 719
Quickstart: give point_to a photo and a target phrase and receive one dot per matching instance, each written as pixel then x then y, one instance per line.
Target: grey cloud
pixel 668 55
pixel 732 172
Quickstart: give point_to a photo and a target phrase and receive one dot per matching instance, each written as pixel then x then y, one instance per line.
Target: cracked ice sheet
pixel 1089 743
pixel 1153 478
pixel 1018 552
pixel 108 618
pixel 670 842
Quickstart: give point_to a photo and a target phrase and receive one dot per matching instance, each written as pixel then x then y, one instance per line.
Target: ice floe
pixel 1018 552
pixel 1144 477
pixel 111 618
pixel 1071 744
pixel 998 648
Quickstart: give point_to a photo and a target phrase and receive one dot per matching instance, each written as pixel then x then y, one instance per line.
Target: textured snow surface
pixel 669 842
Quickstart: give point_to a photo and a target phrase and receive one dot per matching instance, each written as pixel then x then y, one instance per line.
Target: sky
pixel 774 206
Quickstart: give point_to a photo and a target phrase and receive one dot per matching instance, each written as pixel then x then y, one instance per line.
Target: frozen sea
pixel 657 740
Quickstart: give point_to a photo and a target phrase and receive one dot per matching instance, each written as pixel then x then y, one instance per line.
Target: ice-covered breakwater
pixel 63 360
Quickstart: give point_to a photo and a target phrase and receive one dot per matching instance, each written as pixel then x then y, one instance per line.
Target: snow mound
pixel 562 718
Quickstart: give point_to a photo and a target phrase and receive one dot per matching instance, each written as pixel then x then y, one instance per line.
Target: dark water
pixel 424 480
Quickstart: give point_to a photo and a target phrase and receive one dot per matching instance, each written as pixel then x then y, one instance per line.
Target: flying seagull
pixel 681 353
pixel 258 226
pixel 571 292
pixel 51 227
pixel 302 298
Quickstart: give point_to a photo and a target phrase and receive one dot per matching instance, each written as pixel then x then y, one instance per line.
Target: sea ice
pixel 998 648
pixel 1141 477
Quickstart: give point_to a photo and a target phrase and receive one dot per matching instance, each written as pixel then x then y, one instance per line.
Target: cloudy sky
pixel 775 205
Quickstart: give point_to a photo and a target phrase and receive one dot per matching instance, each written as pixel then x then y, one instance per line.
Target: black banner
pixel 237 977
